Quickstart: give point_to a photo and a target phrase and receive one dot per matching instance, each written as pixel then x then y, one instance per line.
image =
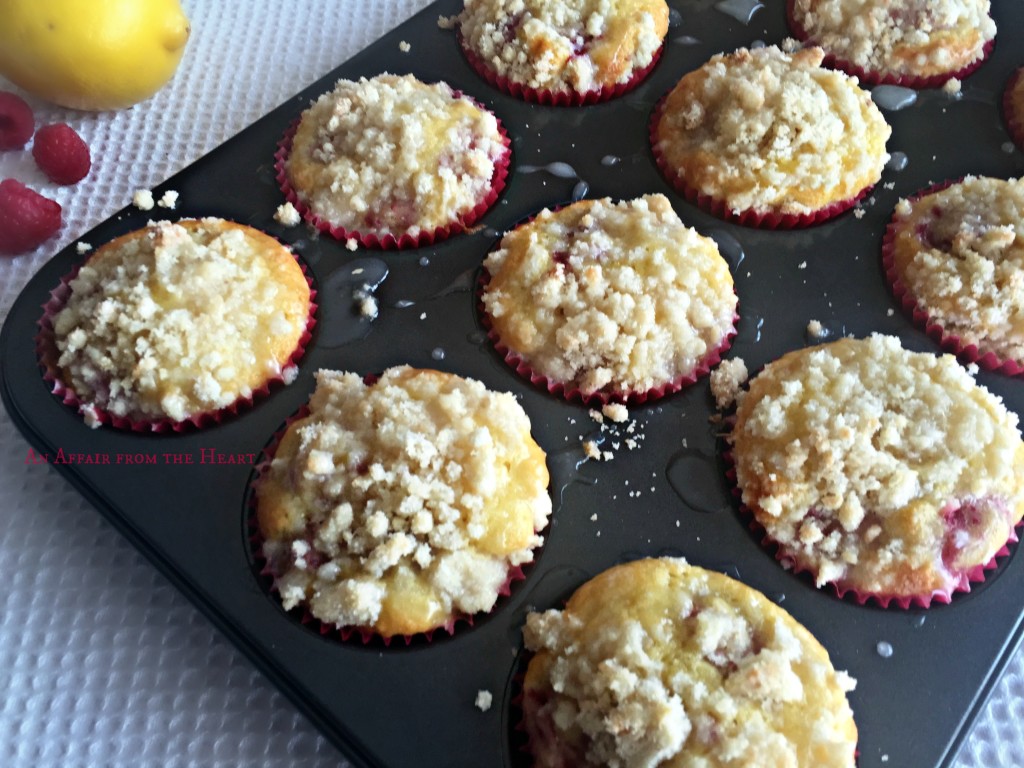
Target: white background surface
pixel 102 662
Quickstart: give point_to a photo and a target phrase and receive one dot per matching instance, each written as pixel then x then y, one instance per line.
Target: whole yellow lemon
pixel 91 54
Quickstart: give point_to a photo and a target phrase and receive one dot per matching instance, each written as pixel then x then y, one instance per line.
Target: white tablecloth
pixel 102 662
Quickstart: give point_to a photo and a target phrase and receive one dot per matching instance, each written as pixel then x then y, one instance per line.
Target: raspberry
pixel 16 121
pixel 26 218
pixel 61 153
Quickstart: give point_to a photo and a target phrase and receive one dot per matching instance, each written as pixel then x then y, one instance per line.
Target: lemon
pixel 91 54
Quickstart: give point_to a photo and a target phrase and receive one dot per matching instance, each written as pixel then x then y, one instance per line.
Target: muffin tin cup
pixel 792 561
pixel 548 98
pixel 48 356
pixel 966 351
pixel 390 240
pixel 870 77
pixel 1011 116
pixel 267 576
pixel 747 217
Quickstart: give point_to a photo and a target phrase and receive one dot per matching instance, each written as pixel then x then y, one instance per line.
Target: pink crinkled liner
pixel 1014 127
pixel 269 581
pixel 748 217
pixel 967 352
pixel 548 98
pixel 389 241
pixel 790 562
pixel 872 77
pixel 46 351
pixel 600 397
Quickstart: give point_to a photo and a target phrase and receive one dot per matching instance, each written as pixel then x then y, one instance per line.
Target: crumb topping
pixel 880 469
pixel 610 297
pixel 727 380
pixel 573 45
pixel 180 318
pixel 143 200
pixel 768 131
pixel 902 37
pixel 394 155
pixel 658 663
pixel 397 505
pixel 960 252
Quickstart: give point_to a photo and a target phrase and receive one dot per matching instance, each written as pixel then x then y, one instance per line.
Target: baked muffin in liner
pixel 953 255
pixel 603 301
pixel 658 662
pixel 769 139
pixel 906 42
pixel 176 325
pixel 391 162
pixel 888 474
pixel 398 505
pixel 1013 107
pixel 563 54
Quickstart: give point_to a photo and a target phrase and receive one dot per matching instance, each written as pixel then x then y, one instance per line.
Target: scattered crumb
pixel 890 312
pixel 617 412
pixel 483 700
pixel 885 758
pixel 594 517
pixel 951 86
pixel 83 247
pixel 591 450
pixel 802 265
pixel 169 199
pixel 596 416
pixel 972 368
pixel 351 244
pixel 287 214
pixel 404 47
pixel 726 381
pixel 447 22
pixel 816 330
pixel 423 315
pixel 367 302
pixel 143 200
pixel 858 212
pixel 890 185
pixel 632 444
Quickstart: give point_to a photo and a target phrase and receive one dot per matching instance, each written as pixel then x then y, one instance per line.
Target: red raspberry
pixel 61 153
pixel 26 218
pixel 16 121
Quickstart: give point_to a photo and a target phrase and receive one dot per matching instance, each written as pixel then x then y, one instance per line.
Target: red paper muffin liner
pixel 555 98
pixel 872 77
pixel 790 561
pixel 48 356
pixel 268 579
pixel 391 241
pixel 967 352
pixel 599 398
pixel 748 217
pixel 1014 126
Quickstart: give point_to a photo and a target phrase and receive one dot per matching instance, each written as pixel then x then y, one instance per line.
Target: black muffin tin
pixel 413 705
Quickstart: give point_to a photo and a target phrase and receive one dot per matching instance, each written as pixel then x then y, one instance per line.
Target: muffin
pixel 176 321
pixel 609 301
pixel 393 162
pixel 660 663
pixel 771 139
pixel 955 256
pixel 399 506
pixel 887 473
pixel 571 52
pixel 917 43
pixel 1013 106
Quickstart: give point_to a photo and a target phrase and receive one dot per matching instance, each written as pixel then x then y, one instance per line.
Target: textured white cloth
pixel 102 662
